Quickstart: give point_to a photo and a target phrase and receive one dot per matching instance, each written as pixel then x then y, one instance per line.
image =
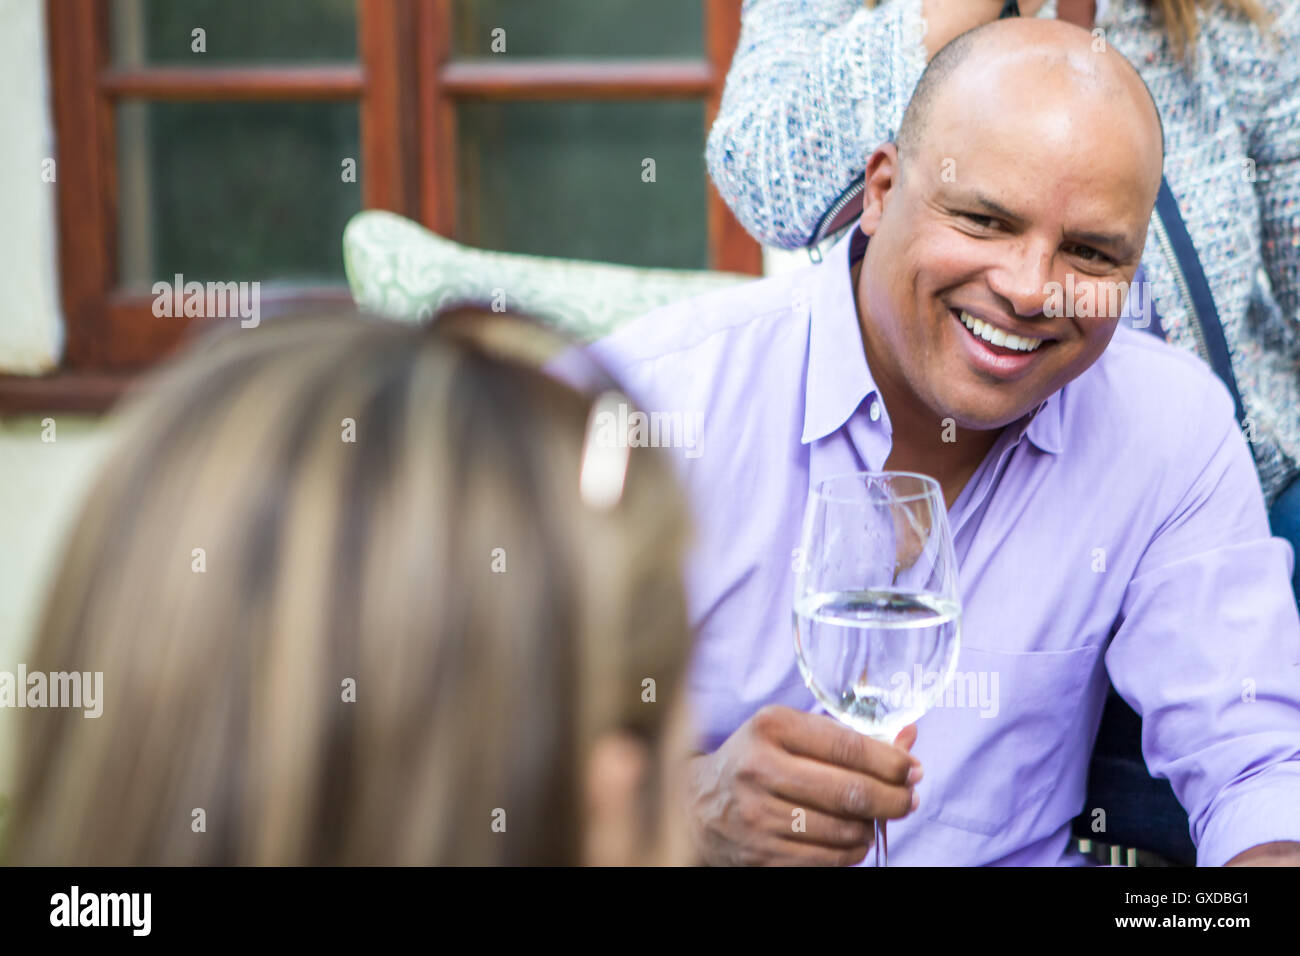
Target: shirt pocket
pixel 1009 759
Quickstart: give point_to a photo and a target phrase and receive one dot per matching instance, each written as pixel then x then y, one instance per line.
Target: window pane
pixel 234 31
pixel 235 191
pixel 580 28
pixel 569 179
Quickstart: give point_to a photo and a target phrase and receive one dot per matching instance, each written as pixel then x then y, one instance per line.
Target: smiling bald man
pixel 1107 517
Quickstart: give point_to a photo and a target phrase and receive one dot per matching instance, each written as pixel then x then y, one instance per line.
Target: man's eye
pixel 1089 254
pixel 984 222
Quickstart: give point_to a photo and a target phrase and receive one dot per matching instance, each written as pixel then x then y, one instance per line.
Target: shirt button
pixel 874 410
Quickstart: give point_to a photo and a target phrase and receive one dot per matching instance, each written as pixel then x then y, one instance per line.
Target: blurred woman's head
pixel 351 606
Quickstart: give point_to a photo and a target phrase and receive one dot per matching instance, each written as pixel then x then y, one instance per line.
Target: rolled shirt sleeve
pixel 1208 648
pixel 813 88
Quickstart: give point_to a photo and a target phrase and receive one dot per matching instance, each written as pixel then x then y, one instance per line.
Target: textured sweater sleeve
pixel 814 86
pixel 1275 147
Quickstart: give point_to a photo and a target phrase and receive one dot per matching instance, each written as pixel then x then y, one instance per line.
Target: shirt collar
pixel 838 377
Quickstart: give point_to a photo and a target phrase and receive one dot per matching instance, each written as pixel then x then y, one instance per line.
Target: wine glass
pixel 877 613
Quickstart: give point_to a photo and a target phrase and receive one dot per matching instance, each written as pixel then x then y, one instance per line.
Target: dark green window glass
pixel 235 191
pixel 580 28
pixel 235 31
pixel 572 179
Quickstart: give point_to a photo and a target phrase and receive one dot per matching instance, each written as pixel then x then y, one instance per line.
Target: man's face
pixel 1024 222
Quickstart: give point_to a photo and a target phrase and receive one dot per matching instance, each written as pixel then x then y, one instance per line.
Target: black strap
pixel 1204 312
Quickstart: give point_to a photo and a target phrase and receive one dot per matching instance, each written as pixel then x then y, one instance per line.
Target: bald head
pixel 1037 52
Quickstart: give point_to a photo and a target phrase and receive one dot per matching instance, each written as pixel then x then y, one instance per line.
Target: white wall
pixel 31 327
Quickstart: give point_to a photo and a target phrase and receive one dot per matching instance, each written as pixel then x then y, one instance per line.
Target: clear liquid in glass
pixel 877 659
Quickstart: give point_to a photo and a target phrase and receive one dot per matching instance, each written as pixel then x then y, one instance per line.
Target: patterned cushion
pixel 398 268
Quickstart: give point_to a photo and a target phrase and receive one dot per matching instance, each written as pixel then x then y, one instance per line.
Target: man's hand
pixel 743 797
pixel 1280 853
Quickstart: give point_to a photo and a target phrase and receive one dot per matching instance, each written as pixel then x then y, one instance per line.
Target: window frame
pixel 408 88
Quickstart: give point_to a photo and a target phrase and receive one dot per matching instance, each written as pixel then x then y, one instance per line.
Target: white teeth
pixel 991 333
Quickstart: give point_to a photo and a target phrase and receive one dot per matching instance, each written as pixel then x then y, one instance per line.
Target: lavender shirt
pixel 1119 530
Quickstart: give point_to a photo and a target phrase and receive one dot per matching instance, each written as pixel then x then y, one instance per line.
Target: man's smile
pixel 996 351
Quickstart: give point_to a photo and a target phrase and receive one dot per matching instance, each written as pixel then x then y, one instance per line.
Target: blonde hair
pixel 442 564
pixel 1183 29
pixel 1180 19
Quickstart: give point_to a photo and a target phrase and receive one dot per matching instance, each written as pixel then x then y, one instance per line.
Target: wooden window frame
pixel 408 89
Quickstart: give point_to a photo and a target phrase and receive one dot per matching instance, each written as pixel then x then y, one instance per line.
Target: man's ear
pixel 881 175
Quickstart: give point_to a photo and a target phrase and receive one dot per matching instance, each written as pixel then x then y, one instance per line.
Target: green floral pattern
pixel 399 269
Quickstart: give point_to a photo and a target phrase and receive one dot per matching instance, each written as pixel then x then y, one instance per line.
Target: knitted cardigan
pixel 816 85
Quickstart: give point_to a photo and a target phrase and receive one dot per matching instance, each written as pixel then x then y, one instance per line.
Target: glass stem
pixel 882 850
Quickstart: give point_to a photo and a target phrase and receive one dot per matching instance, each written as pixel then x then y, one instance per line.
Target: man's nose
pixel 1022 276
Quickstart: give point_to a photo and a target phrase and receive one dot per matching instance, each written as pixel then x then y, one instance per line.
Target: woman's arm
pixel 815 85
